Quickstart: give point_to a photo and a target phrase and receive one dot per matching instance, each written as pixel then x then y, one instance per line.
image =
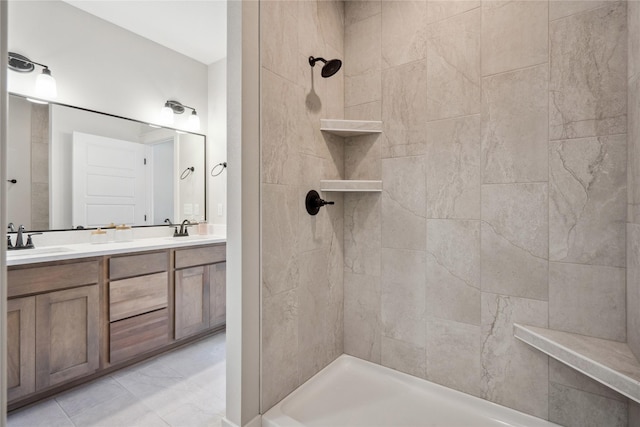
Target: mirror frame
pixel 206 186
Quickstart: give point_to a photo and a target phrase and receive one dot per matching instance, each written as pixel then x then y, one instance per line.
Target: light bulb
pixel 46 85
pixel 166 115
pixel 194 121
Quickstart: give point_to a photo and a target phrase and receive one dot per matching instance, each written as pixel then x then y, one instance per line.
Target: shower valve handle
pixel 313 202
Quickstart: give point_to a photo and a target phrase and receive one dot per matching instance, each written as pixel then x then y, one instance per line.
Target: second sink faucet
pixel 183 229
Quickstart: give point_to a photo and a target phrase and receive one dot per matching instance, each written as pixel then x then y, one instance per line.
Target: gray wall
pixel 302 257
pixel 503 162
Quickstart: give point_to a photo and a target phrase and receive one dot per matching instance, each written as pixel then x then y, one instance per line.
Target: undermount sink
pixel 188 238
pixel 37 251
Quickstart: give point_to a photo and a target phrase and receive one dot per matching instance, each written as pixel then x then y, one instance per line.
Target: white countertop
pixel 86 250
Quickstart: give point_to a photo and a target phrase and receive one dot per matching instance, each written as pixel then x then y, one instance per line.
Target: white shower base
pixel 351 392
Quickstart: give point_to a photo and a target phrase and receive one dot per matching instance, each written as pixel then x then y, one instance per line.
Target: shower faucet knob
pixel 313 202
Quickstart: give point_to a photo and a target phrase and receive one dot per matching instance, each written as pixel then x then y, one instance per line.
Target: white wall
pixel 190 189
pixel 217 141
pixel 100 66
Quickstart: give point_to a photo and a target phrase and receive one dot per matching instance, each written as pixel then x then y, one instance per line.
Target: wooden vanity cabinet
pixel 21 347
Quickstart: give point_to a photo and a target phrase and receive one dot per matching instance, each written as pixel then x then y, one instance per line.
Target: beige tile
pixel 368 111
pixel 279 356
pixel 453 355
pixel 634 413
pixel 633 48
pixel 574 408
pixel 44 414
pixel 587 200
pixel 362 324
pixel 40 163
pixel 403 142
pixel 331 17
pixel 439 10
pixel 633 151
pixel 403 295
pixel 587 300
pixel 453 165
pixel 514 35
pixel 362 233
pixel 362 157
pixel 586 48
pixel 363 88
pixel 403 356
pixel 357 10
pixel 513 374
pixel 453 270
pixel 515 126
pixel 563 8
pixel 633 288
pixel 123 411
pixel 403 32
pixel 403 203
pixel 39 206
pixel 280 269
pixel 80 399
pixel 362 47
pixel 453 66
pixel 40 123
pixel 562 374
pixel 514 243
pixel 279 38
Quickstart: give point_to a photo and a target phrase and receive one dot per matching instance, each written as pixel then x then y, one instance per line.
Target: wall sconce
pixel 172 107
pixel 45 83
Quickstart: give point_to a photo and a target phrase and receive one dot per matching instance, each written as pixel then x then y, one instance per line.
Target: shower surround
pixel 504 167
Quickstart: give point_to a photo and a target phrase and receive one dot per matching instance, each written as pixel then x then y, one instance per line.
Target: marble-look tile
pixel 453 165
pixel 563 8
pixel 453 270
pixel 633 49
pixel 403 295
pixel 633 288
pixel 331 17
pixel 403 32
pixel 77 400
pixel 587 206
pixel 587 300
pixel 39 163
pixel 513 374
pixel 453 66
pixel 362 47
pixel 403 356
pixel 514 35
pixel 574 408
pixel 40 206
pixel 190 415
pixel 280 356
pixel 514 244
pixel 362 324
pixel 281 105
pixel 403 203
pixel 357 10
pixel 279 39
pixel 588 81
pixel 123 411
pixel 280 270
pixel 453 355
pixel 368 111
pixel 437 10
pixel 363 88
pixel 45 414
pixel 515 126
pixel 634 413
pixel 40 124
pixel 362 233
pixel 404 91
pixel 562 374
pixel 362 157
pixel 633 150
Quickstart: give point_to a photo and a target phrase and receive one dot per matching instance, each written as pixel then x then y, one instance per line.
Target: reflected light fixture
pixel 172 107
pixel 45 83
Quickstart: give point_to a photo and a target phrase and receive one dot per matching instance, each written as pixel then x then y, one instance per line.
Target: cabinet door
pixel 218 294
pixel 192 301
pixel 67 335
pixel 21 347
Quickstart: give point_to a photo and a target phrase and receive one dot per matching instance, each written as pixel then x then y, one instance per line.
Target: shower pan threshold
pixel 356 393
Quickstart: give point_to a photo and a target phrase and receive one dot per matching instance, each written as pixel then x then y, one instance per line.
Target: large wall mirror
pixel 75 168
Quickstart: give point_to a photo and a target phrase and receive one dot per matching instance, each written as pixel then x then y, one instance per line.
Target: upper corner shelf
pixel 351 127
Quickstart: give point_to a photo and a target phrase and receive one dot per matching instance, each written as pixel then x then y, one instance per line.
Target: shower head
pixel 329 68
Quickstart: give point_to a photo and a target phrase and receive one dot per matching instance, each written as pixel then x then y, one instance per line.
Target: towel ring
pixel 188 171
pixel 223 164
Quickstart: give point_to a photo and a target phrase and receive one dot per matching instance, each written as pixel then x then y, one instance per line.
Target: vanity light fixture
pixel 45 83
pixel 172 107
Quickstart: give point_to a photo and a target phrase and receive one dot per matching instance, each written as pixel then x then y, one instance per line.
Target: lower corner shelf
pixel 351 186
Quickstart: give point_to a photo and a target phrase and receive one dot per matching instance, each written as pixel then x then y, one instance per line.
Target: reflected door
pixel 109 177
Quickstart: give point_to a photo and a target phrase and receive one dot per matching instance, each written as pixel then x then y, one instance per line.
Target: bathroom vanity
pixel 80 311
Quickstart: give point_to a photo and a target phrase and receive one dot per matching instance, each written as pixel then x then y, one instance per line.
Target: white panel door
pixel 108 178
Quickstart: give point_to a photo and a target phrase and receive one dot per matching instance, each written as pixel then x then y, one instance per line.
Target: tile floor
pixel 185 387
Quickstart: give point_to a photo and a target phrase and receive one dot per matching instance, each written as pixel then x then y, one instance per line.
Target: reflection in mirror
pixel 79 168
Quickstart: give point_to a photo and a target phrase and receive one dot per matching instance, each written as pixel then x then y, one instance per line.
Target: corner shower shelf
pixel 350 127
pixel 609 362
pixel 350 186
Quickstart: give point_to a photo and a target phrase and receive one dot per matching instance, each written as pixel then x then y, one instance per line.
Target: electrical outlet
pixel 219 209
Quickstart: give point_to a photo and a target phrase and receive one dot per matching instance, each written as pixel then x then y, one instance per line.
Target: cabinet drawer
pixel 130 297
pixel 138 265
pixel 33 280
pixel 200 256
pixel 139 334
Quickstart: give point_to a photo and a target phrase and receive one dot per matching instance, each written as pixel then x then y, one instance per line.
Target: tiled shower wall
pixel 302 255
pixel 503 162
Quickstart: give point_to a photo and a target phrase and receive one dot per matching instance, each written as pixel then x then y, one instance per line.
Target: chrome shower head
pixel 329 68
